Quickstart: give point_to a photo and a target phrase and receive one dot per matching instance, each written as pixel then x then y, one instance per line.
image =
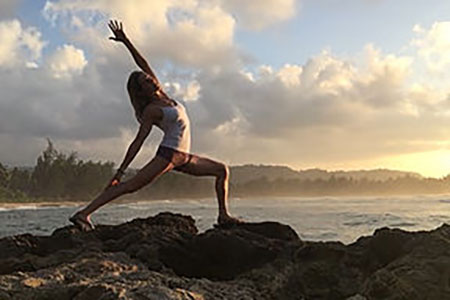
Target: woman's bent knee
pixel 222 171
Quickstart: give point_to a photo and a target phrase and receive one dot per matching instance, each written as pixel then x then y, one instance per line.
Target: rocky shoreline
pixel 164 257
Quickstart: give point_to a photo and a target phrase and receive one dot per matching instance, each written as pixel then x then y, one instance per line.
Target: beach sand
pixel 40 204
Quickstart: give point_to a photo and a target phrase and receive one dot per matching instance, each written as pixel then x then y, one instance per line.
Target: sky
pixel 331 84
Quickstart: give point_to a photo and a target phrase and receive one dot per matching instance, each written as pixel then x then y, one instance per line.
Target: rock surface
pixel 164 257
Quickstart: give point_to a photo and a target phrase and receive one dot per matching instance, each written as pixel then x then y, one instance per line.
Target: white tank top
pixel 176 127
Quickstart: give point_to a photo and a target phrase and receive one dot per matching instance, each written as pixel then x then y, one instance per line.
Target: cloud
pixel 327 110
pixel 382 83
pixel 191 33
pixel 36 103
pixel 206 40
pixel 187 92
pixel 290 75
pixel 256 16
pixel 19 45
pixel 434 46
pixel 67 61
pixel 321 92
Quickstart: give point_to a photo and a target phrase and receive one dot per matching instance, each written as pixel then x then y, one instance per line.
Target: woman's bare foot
pixel 82 222
pixel 227 220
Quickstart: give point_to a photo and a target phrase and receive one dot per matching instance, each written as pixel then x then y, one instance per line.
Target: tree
pixel 20 180
pixel 4 176
pixel 59 175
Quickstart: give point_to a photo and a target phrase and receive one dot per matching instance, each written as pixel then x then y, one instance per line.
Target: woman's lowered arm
pixel 136 144
pixel 134 147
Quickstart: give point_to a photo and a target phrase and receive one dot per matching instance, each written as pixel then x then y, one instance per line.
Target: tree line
pixel 345 186
pixel 64 177
pixel 57 176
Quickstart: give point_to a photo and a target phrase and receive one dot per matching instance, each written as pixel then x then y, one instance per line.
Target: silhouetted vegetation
pixel 58 176
pixel 342 186
pixel 55 177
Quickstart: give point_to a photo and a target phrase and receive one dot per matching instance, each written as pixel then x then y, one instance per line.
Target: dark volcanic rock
pixel 225 253
pixel 164 257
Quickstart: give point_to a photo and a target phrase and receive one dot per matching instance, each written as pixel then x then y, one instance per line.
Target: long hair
pixel 137 100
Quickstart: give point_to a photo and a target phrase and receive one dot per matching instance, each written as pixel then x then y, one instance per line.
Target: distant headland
pixel 64 177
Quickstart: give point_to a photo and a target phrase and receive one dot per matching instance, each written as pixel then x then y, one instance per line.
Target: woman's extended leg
pixel 200 166
pixel 156 167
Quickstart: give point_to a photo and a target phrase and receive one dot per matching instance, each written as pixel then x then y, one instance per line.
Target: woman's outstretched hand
pixel 119 36
pixel 117 29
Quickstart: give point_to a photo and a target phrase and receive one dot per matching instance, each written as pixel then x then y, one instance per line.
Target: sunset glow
pixel 308 84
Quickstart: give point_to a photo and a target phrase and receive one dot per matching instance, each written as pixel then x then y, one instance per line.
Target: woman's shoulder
pixel 152 111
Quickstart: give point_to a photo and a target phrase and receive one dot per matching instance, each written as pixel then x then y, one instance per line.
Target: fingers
pixel 117 30
pixel 114 25
pixel 111 26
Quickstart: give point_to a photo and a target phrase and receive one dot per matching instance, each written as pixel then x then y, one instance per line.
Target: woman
pixel 153 107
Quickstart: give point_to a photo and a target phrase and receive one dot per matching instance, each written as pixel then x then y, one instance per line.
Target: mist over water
pixel 327 218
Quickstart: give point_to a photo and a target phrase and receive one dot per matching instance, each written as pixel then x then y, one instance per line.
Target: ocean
pixel 342 219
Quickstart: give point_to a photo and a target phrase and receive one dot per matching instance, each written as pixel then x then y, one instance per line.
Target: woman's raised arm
pixel 119 36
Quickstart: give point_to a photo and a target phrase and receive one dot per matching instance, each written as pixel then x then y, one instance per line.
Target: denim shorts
pixel 178 158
